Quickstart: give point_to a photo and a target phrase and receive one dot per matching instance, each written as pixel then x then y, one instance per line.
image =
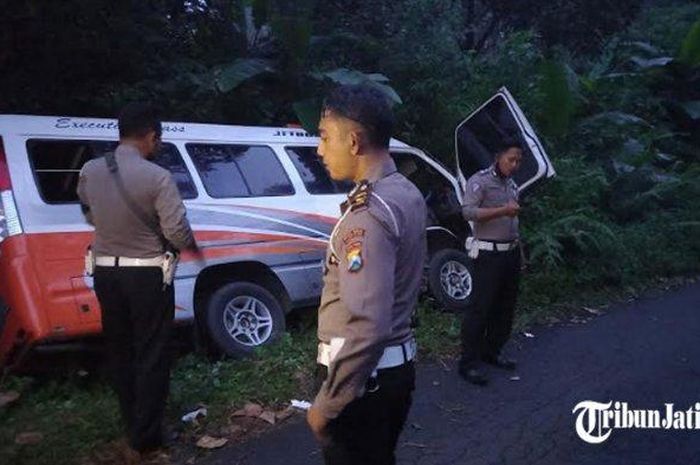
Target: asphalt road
pixel 645 353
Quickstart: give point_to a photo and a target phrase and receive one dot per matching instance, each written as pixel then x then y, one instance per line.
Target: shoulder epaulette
pixel 359 196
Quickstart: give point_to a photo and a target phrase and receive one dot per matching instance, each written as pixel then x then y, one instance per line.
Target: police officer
pixel 371 281
pixel 491 203
pixel 136 209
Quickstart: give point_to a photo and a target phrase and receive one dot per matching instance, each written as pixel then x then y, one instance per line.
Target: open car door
pixel 477 137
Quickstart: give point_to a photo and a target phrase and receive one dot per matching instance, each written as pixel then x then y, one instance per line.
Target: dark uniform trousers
pixel 368 428
pixel 488 318
pixel 137 315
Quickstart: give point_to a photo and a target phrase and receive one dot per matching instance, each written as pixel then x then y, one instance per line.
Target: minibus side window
pixel 313 173
pixel 240 170
pixel 56 165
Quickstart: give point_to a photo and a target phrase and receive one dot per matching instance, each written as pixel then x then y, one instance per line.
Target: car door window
pixel 478 137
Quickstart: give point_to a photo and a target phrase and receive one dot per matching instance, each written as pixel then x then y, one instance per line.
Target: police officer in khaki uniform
pixel 491 203
pixel 136 209
pixel 372 276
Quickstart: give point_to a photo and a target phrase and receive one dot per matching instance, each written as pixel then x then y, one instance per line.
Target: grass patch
pixel 273 377
pixel 72 416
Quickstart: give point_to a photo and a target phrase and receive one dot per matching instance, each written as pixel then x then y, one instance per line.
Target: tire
pixel 449 279
pixel 243 316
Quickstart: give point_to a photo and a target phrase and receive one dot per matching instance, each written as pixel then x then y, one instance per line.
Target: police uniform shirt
pixel 372 274
pixel 120 232
pixel 486 189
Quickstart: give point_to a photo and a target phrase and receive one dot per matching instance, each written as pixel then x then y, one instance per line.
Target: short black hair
pixel 367 106
pixel 508 143
pixel 137 119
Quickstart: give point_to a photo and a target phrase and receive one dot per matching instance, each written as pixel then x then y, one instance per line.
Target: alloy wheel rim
pixel 455 280
pixel 248 321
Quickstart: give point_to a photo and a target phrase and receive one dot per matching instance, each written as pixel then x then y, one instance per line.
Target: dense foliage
pixel 614 90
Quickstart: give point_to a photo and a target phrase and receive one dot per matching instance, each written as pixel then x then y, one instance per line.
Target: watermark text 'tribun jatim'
pixel 595 421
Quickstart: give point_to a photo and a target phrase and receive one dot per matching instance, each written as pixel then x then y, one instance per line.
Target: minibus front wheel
pixel 449 279
pixel 242 316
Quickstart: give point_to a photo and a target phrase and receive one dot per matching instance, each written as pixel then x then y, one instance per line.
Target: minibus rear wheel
pixel 242 316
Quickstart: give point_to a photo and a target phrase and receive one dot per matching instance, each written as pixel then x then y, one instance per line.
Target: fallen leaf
pixel 239 413
pixel 6 398
pixel 209 442
pixel 232 430
pixel 284 414
pixel 268 416
pixel 252 410
pixel 28 438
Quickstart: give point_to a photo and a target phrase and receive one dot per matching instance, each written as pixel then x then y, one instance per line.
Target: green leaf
pixel 344 76
pixel 309 113
pixel 692 108
pixel 646 47
pixel 652 62
pixel 377 77
pixel 690 49
pixel 632 148
pixel 388 91
pixel 241 70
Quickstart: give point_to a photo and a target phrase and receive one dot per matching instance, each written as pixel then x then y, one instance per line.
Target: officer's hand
pixel 511 209
pixel 318 424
